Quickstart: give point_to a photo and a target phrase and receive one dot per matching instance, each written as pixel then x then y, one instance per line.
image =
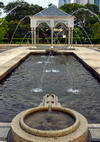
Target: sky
pixel 43 3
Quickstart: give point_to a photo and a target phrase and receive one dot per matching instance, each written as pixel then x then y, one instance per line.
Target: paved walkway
pixel 90 57
pixel 9 54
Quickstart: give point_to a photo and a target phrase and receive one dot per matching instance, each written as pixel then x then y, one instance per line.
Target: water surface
pixel 63 76
pixel 45 120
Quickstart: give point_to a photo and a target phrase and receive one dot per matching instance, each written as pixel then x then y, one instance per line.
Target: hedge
pixel 58 40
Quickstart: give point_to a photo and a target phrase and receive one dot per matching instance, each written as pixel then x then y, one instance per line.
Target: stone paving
pixel 9 58
pixel 90 57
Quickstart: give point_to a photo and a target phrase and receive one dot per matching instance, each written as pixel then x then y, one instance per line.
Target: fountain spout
pixel 50 101
pixel 50 107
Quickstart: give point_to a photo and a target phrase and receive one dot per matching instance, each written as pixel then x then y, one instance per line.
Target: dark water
pixel 45 120
pixel 75 87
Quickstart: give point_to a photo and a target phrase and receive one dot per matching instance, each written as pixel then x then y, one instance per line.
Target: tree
pixel 83 14
pixel 78 32
pixel 18 17
pixel 51 5
pixel 14 30
pixel 93 8
pixel 21 10
pixel 1 7
pixel 3 28
pixel 77 11
pixel 91 16
pixel 95 29
pixel 71 7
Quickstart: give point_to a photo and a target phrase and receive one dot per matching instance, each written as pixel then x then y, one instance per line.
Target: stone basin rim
pixel 49 133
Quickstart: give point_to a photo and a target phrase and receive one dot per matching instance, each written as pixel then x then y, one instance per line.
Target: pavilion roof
pixel 52 11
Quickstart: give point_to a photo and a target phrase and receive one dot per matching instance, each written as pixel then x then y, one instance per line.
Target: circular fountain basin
pixel 37 124
pixel 56 123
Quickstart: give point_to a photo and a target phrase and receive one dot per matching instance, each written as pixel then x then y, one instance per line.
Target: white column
pixel 66 39
pixel 38 34
pixel 69 37
pixel 34 37
pixel 33 33
pixel 51 37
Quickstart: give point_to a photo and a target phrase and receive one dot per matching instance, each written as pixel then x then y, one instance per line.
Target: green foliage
pixel 18 29
pixel 1 4
pixel 83 14
pixel 93 7
pixel 1 7
pixel 78 11
pixel 91 14
pixel 50 4
pixel 71 7
pixel 87 17
pixel 82 40
pixel 95 40
pixel 3 28
pixel 78 32
pixel 78 40
pixel 21 10
pixel 95 29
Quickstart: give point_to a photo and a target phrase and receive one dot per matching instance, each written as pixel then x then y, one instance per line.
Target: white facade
pixel 62 2
pixel 97 2
pixel 91 1
pixel 68 1
pixel 83 2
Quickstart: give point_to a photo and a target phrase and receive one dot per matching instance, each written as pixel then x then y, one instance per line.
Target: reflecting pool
pixel 61 75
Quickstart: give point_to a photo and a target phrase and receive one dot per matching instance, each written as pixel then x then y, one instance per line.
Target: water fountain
pixel 51 51
pixel 49 122
pixel 79 23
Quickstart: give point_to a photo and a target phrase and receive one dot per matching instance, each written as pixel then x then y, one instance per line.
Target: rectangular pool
pixel 62 75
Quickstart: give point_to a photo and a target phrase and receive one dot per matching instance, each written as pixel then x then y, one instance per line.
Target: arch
pixel 43 21
pixel 42 32
pixel 61 33
pixel 61 21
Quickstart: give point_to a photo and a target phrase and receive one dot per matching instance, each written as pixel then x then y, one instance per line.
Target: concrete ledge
pixel 5 130
pixel 78 45
pixel 95 132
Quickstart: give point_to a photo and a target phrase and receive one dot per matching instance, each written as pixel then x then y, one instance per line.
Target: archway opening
pixel 60 33
pixel 43 33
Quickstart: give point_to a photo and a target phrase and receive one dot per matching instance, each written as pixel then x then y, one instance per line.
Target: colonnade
pixel 69 35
